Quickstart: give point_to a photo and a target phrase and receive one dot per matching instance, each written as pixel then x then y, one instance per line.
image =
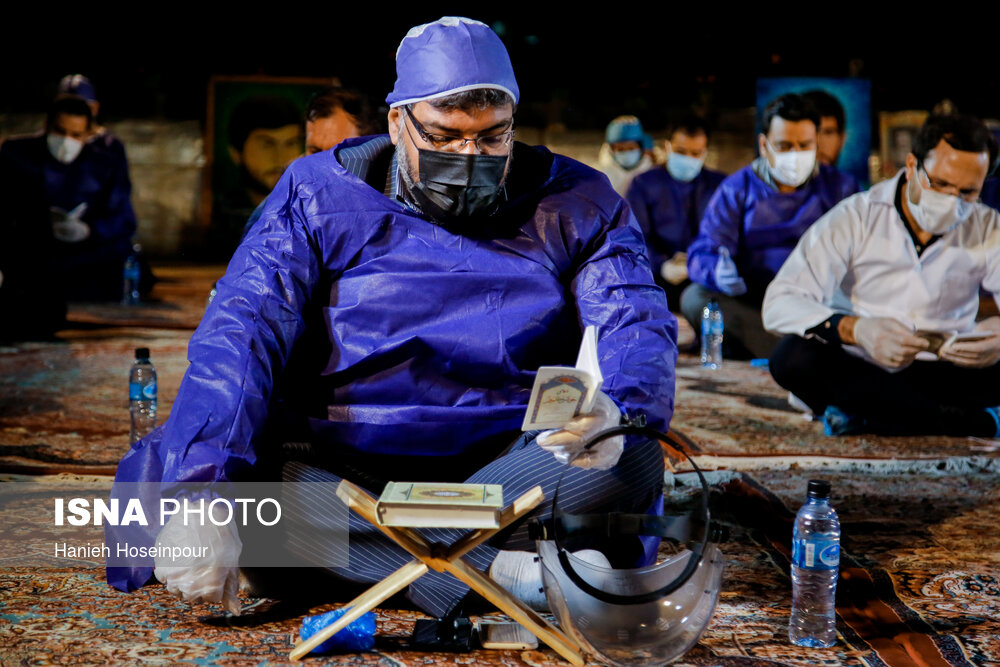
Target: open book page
pixel 561 393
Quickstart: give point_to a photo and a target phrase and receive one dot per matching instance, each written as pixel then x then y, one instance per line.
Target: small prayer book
pixel 434 505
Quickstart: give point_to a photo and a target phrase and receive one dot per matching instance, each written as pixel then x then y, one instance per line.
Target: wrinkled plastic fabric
pixel 347 315
pixel 760 226
pixel 450 55
pixel 357 636
pixel 669 210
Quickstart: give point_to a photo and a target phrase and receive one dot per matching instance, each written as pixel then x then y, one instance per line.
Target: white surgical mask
pixel 791 167
pixel 684 168
pixel 935 212
pixel 63 148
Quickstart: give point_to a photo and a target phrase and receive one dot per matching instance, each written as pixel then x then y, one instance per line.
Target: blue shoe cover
pixel 837 422
pixel 995 413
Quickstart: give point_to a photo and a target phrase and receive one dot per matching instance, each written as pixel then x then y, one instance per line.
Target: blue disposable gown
pixel 991 192
pixel 760 226
pixel 348 314
pixel 34 181
pixel 669 210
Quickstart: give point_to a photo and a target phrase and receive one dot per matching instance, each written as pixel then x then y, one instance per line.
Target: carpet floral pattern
pixel 925 590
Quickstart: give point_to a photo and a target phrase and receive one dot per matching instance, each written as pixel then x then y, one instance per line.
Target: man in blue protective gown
pixel 754 220
pixel 68 219
pixel 627 151
pixel 111 150
pixel 389 310
pixel 670 202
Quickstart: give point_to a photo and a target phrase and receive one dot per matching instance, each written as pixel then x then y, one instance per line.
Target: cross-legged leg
pixel 631 486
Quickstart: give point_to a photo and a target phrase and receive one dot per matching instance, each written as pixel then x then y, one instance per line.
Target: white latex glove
pixel 566 442
pixel 67 226
pixel 888 342
pixel 212 578
pixel 975 354
pixel 727 278
pixel 675 269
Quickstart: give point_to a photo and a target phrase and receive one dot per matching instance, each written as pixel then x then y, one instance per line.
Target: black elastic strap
pixel 559 526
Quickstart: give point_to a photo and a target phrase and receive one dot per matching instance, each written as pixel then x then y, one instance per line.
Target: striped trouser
pixel 633 485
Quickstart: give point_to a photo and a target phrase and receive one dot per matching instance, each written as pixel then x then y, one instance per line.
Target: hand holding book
pixel 570 401
pixel 565 443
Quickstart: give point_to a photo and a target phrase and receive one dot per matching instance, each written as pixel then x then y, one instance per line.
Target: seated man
pixel 79 193
pixel 390 309
pixel 876 285
pixel 332 115
pixel 670 202
pixel 335 114
pixel 625 153
pixel 111 149
pixel 754 221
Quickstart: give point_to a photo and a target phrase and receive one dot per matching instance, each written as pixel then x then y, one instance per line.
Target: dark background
pixel 579 70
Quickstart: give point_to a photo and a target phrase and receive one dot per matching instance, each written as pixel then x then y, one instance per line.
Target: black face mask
pixel 458 187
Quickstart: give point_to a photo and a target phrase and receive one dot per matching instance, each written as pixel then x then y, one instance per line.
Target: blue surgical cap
pixel 79 85
pixel 627 128
pixel 450 55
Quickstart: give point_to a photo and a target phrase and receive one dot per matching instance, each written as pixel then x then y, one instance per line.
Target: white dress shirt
pixel 859 259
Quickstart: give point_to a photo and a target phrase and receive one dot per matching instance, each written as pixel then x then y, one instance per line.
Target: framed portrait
pixel 896 131
pixel 254 129
pixel 853 95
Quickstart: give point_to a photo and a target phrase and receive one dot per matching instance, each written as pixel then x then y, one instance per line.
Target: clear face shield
pixel 638 616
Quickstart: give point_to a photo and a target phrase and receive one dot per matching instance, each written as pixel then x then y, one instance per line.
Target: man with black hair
pixel 669 203
pixel 755 219
pixel 264 135
pixel 68 213
pixel 389 312
pixel 880 298
pixel 832 132
pixel 335 114
pixel 332 115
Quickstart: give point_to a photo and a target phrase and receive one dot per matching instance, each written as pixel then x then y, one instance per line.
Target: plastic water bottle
pixel 815 562
pixel 130 278
pixel 711 335
pixel 142 395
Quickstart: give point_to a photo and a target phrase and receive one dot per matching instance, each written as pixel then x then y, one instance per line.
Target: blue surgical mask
pixel 628 159
pixel 684 168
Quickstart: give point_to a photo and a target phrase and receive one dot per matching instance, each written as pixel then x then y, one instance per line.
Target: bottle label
pixel 137 392
pixel 710 327
pixel 816 554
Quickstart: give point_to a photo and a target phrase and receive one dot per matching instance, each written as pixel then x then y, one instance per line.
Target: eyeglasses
pixel 492 143
pixel 969 194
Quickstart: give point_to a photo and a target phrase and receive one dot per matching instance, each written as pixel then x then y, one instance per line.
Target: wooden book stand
pixel 443 558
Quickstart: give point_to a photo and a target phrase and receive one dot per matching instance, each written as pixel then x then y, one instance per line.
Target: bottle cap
pixel 819 488
pixel 142 353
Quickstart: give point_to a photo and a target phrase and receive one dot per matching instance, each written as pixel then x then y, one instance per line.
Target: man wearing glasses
pixel 388 312
pixel 881 297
